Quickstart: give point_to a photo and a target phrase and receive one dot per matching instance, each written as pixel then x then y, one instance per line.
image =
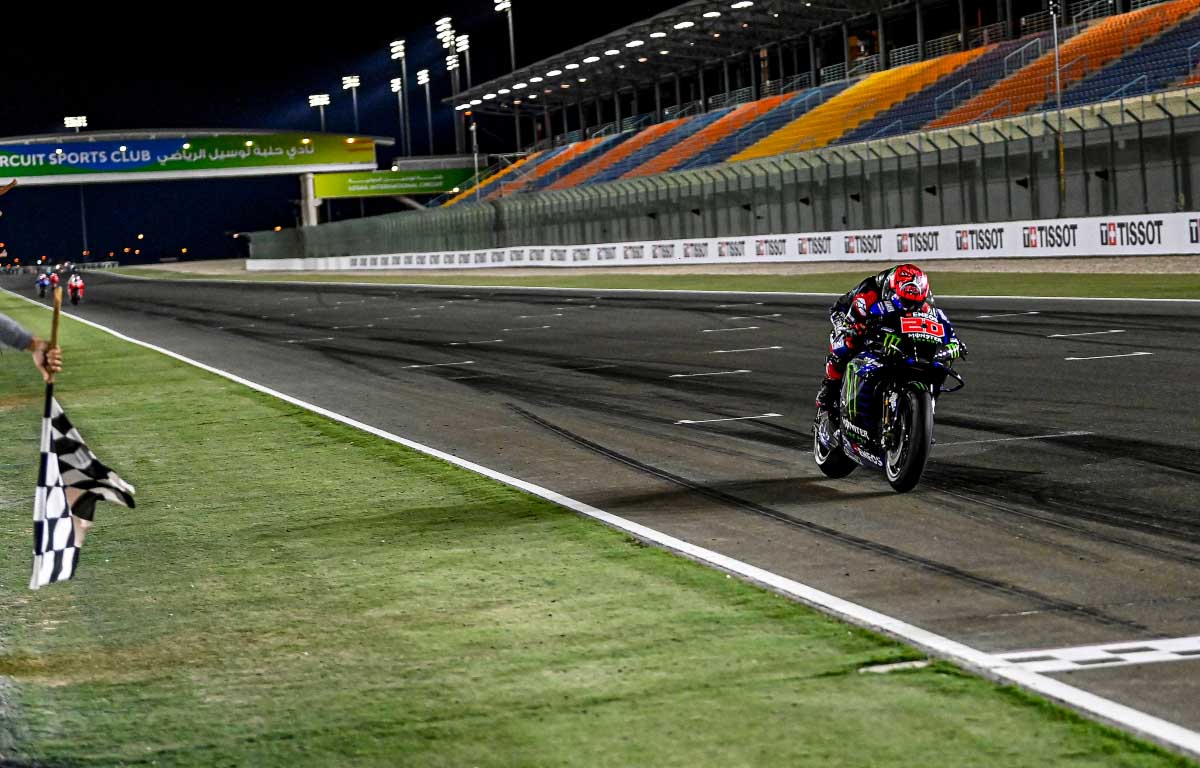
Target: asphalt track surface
pixel 1060 508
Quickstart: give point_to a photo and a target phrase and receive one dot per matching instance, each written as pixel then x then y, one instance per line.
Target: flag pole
pixel 53 341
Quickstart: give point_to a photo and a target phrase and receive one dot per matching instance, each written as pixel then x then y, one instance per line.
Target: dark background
pixel 223 66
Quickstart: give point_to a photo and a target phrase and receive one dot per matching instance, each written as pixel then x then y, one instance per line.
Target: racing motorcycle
pixel 43 282
pixel 889 395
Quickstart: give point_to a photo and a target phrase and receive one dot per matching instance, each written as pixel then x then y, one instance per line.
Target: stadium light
pixel 351 83
pixel 591 60
pixel 505 6
pixel 712 15
pixel 423 79
pixel 76 122
pixel 612 52
pixel 635 43
pixel 554 73
pixel 462 44
pixel 398 51
pixel 685 25
pixel 657 35
pixel 741 4
pixel 571 66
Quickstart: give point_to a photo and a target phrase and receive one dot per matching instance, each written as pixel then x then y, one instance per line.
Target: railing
pixel 602 130
pixel 908 54
pixel 796 83
pixel 470 183
pixel 1138 4
pixel 683 110
pixel 986 35
pixel 1121 92
pixel 740 96
pixel 801 106
pixel 992 112
pixel 1087 10
pixel 1192 56
pixel 833 73
pixel 954 95
pixel 771 87
pixel 570 137
pixel 942 45
pixel 885 129
pixel 1021 56
pixel 1036 22
pixel 635 122
pixel 864 65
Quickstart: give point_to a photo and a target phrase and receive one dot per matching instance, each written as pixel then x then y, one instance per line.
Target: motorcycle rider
pixel 75 286
pixel 43 282
pixel 903 288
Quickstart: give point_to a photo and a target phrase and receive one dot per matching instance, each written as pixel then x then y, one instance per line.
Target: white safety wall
pixel 1171 233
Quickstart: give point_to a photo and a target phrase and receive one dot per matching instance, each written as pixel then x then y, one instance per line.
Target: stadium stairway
pixel 1152 67
pixel 984 67
pixel 789 109
pixel 1087 52
pixel 616 154
pixel 602 145
pixel 854 106
pixel 737 118
pixel 549 160
pixel 487 183
pixel 662 144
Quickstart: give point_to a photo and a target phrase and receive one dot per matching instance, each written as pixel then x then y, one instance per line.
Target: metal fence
pixel 1128 156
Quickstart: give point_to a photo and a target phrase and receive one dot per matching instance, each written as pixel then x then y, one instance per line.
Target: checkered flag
pixel 66 462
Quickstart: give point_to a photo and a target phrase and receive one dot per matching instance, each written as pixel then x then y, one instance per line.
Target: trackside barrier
pixel 1174 233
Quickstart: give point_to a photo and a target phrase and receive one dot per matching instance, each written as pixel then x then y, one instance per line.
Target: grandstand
pixel 933 84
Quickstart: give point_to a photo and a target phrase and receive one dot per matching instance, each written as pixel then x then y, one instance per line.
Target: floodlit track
pixel 1058 509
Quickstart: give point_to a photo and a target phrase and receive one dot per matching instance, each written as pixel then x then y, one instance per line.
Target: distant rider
pixel 903 288
pixel 75 285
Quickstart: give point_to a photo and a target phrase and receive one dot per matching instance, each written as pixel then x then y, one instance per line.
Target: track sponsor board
pixel 1156 234
pixel 388 183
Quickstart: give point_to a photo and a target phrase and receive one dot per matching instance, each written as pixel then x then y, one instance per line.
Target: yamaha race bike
pixel 889 394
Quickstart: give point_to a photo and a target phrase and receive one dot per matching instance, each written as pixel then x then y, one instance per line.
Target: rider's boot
pixel 828 395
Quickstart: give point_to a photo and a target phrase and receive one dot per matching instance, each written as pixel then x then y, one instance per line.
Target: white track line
pixel 1083 657
pixel 727 330
pixel 1108 357
pixel 1089 333
pixel 1010 314
pixel 441 365
pixel 731 351
pixel 531 317
pixel 756 317
pixel 747 304
pixel 306 341
pixel 715 373
pixel 1013 439
pixel 666 291
pixel 735 418
pixel 464 343
pixel 527 328
pixel 989 665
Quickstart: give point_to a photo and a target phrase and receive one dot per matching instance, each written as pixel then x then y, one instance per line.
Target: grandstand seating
pixel 616 154
pixel 548 162
pixel 663 144
pixel 735 119
pixel 854 106
pixel 1152 67
pixel 1088 51
pixel 487 183
pixel 985 67
pixel 793 105
pixel 601 146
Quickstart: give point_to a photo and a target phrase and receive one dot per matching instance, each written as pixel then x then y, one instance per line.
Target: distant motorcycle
pixel 75 289
pixel 43 282
pixel 889 395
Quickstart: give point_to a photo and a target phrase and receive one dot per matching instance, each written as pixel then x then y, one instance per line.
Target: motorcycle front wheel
pixel 907 447
pixel 830 459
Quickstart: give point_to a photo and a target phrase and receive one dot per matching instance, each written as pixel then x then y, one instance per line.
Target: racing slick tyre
pixel 907 447
pixel 830 458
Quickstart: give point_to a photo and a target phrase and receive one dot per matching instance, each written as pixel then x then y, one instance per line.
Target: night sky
pixel 229 67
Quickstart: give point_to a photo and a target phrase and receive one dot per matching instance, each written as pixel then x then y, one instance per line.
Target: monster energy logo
pixel 891 342
pixel 850 389
pixel 954 350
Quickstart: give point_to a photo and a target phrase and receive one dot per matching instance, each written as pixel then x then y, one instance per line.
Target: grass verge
pixel 292 592
pixel 1144 286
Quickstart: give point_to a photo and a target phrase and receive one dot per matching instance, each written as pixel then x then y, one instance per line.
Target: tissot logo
pixel 776 246
pixel 917 242
pixel 635 252
pixel 814 246
pixel 558 254
pixel 663 252
pixel 581 254
pixel 734 249
pixel 695 250
pixel 1139 232
pixel 607 253
pixel 980 239
pixel 1194 230
pixel 863 244
pixel 1050 236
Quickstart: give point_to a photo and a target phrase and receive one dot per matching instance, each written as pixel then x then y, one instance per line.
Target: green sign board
pixel 389 183
pixel 127 159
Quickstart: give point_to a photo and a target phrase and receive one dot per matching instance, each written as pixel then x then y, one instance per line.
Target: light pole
pixel 398 89
pixel 77 122
pixel 475 152
pixel 423 79
pixel 444 29
pixel 402 97
pixel 1055 11
pixel 350 83
pixel 506 6
pixel 462 44
pixel 320 101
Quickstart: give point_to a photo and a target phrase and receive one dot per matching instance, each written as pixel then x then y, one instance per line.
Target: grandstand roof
pixel 708 39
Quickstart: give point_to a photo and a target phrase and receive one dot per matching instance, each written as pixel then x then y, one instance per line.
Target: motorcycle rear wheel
pixel 905 459
pixel 832 462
